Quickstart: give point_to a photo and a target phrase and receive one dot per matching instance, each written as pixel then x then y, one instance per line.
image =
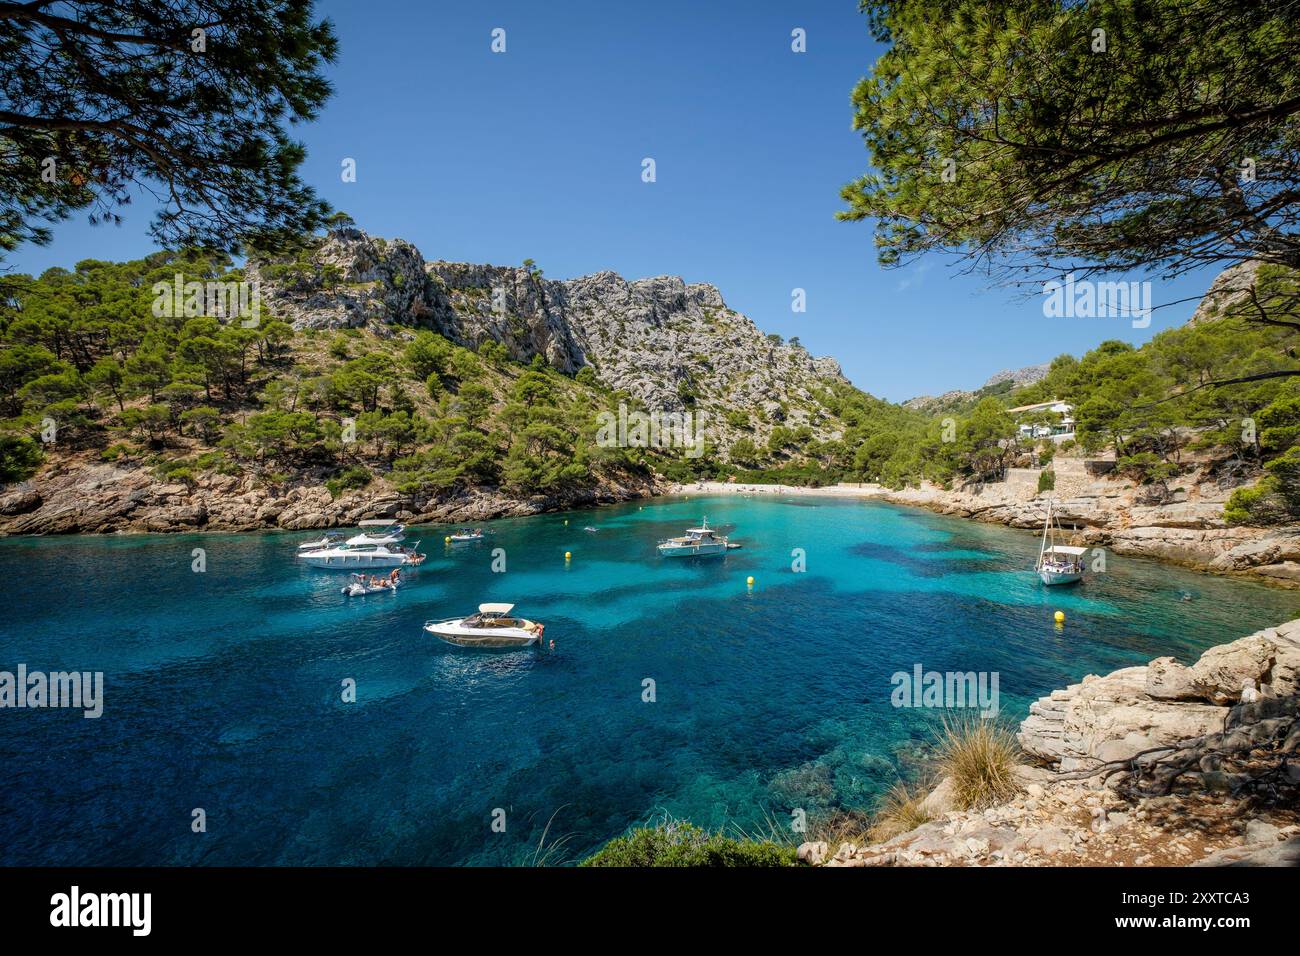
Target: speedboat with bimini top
pixel 491 627
pixel 696 541
pixel 361 585
pixel 1058 563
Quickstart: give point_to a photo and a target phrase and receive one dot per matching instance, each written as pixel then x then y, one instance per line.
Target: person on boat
pixel 395 575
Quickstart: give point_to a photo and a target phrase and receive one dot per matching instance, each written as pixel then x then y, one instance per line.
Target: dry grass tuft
pixel 899 811
pixel 980 756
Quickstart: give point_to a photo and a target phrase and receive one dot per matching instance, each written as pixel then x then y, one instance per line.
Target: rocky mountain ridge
pixel 1017 377
pixel 671 345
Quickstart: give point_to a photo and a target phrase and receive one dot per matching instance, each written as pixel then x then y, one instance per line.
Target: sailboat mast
pixel 1042 547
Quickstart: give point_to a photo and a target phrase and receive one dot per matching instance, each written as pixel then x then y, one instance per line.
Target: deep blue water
pixel 223 689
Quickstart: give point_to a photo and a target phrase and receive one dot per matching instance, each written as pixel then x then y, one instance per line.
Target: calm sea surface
pixel 223 689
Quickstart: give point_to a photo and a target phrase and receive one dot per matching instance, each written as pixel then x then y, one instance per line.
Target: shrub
pixel 348 480
pixel 20 456
pixel 115 452
pixel 676 843
pixel 980 756
pixel 1046 480
pixel 899 811
pixel 1260 504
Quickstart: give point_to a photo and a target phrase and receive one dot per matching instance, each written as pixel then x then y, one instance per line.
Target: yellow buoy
pixel 750 580
pixel 447 540
pixel 1059 617
pixel 567 555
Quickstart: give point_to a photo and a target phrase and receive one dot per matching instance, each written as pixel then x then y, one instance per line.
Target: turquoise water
pixel 224 689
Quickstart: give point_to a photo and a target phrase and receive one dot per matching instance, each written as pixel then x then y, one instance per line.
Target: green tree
pixel 125 93
pixel 1016 132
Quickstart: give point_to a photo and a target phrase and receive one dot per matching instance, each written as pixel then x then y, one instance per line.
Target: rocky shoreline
pixel 1163 764
pixel 1191 533
pixel 1104 511
pixel 107 498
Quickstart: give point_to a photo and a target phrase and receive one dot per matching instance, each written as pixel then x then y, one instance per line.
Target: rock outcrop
pixel 1067 812
pixel 103 498
pixel 670 344
pixel 1129 711
pixel 1230 288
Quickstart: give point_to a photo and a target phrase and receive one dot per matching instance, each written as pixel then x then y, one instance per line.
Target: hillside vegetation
pixel 87 362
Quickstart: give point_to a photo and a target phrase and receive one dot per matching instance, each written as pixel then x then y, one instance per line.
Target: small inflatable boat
pixel 360 586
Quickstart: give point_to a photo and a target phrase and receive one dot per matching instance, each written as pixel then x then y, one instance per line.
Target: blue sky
pixel 537 152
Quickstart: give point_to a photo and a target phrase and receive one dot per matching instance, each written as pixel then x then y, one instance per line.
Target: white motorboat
pixel 696 541
pixel 350 558
pixel 491 627
pixel 1058 563
pixel 362 585
pixel 465 535
pixel 386 533
pixel 379 546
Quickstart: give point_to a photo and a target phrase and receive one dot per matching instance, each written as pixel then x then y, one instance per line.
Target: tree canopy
pixel 187 100
pixel 1039 137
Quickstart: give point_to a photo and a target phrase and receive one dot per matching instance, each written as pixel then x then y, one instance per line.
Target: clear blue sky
pixel 537 153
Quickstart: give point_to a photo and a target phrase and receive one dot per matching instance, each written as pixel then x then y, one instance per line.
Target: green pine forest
pixel 409 408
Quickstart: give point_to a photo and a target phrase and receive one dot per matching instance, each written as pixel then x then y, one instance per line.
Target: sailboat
pixel 1058 563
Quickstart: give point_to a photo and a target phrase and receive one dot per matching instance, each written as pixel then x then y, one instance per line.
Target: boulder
pixel 814 854
pixel 20 502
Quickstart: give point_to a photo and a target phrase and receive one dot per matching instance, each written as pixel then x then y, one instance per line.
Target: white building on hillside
pixel 1057 431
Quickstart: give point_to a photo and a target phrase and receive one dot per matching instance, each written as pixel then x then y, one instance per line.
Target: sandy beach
pixel 863 490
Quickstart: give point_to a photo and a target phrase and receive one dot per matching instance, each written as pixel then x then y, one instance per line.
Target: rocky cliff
pixel 669 344
pixel 86 497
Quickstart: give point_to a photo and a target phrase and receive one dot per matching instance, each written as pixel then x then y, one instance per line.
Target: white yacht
pixel 1058 563
pixel 492 627
pixel 350 558
pixel 696 541
pixel 380 548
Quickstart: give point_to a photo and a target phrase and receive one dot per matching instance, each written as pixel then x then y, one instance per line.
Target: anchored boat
pixel 1058 563
pixel 360 585
pixel 696 541
pixel 381 548
pixel 466 535
pixel 491 627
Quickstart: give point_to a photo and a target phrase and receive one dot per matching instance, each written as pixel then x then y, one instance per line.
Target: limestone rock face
pixel 103 498
pixel 673 345
pixel 1230 287
pixel 352 280
pixel 1137 708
